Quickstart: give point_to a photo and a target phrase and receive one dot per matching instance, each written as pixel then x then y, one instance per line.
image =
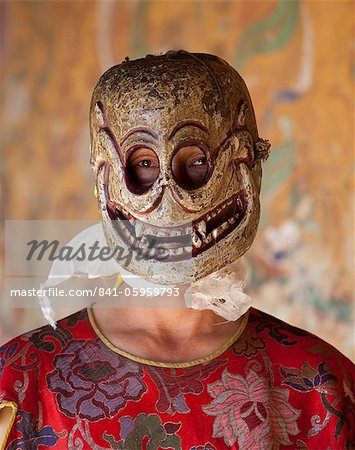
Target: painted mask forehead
pixel 160 97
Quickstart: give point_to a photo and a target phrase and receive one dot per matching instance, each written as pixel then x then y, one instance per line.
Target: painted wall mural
pixel 297 61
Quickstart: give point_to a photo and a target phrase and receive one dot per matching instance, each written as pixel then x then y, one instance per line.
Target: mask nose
pixel 168 212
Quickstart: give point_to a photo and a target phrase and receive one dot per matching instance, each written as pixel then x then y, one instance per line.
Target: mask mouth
pixel 150 241
pixel 181 242
pixel 175 243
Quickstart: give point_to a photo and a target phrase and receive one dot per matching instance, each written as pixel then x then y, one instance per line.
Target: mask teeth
pixel 203 236
pixel 161 233
pixel 208 238
pixel 201 228
pixel 138 228
pixel 196 241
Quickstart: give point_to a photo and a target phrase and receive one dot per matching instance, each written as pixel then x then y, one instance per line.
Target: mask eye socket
pixel 190 167
pixel 142 169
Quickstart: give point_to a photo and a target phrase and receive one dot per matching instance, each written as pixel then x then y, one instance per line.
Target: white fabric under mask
pixel 62 270
pixel 221 291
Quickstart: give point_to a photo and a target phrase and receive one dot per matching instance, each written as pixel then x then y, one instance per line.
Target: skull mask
pixel 176 155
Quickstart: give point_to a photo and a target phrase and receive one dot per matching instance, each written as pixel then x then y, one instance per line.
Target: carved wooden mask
pixel 177 158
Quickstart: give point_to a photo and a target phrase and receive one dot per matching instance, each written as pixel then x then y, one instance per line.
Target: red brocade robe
pixel 273 386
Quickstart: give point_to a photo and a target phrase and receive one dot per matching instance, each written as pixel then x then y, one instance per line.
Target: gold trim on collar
pixel 175 365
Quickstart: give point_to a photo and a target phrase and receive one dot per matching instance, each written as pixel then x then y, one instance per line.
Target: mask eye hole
pixel 142 169
pixel 190 167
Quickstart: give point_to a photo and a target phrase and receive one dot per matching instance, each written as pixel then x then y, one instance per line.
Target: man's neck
pixel 162 328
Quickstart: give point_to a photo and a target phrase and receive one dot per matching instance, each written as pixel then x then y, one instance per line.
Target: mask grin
pixel 174 243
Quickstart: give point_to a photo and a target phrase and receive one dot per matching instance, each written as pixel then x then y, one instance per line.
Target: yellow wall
pixel 296 59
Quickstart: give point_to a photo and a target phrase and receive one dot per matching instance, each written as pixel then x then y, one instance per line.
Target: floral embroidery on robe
pixel 276 387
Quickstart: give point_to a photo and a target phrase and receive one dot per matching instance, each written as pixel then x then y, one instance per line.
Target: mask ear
pixel 245 151
pixel 97 122
pixel 98 116
pixel 241 113
pixel 249 152
pixel 262 150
